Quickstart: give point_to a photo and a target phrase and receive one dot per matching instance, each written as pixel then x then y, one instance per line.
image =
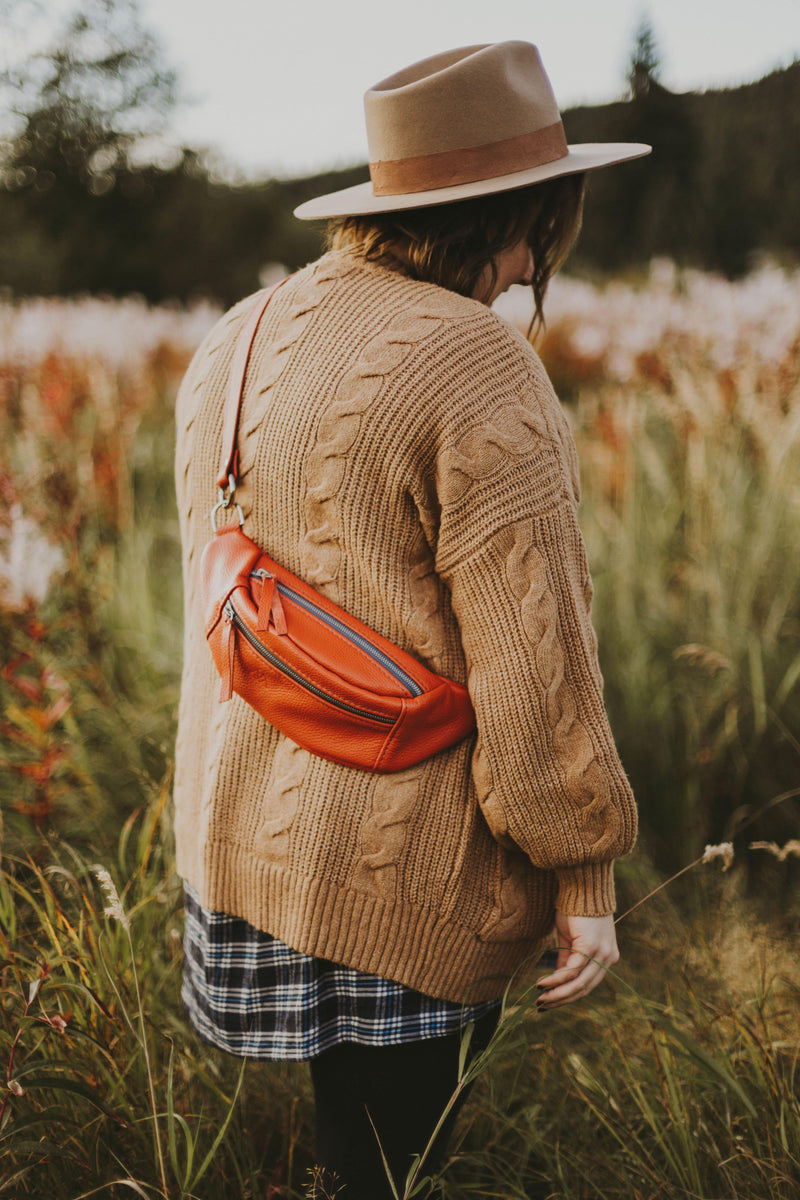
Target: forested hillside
pixel 723 181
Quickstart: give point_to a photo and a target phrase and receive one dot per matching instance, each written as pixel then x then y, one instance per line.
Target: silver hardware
pixel 226 501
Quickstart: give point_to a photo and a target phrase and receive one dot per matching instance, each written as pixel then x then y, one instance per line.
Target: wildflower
pixel 724 851
pixel 726 324
pixel 28 563
pixel 117 334
pixel 114 907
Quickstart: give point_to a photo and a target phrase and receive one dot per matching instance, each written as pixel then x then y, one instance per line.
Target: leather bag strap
pixel 235 390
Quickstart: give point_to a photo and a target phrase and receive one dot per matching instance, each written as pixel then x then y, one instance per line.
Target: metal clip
pixel 226 501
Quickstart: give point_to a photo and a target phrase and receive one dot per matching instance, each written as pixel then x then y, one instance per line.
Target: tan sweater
pixel 403 451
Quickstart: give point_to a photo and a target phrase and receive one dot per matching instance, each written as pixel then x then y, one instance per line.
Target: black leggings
pixel 405 1089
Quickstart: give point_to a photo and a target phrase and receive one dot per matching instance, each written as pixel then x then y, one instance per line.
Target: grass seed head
pixel 724 851
pixel 113 907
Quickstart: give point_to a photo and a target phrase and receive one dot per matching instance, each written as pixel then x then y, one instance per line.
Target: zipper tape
pixel 285 669
pixel 356 638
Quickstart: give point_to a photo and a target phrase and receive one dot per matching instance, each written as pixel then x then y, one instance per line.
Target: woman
pixel 402 451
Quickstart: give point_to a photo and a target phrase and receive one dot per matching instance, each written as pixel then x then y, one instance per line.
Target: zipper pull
pixel 270 605
pixel 229 651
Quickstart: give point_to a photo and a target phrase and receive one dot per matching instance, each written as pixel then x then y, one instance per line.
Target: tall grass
pixel 685 397
pixel 107 1087
pixel 90 611
pixel 692 513
pixel 694 1095
pixel 679 1079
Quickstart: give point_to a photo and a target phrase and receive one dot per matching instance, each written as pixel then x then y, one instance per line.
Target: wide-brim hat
pixel 469 122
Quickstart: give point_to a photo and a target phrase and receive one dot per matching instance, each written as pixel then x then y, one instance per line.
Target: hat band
pixel 426 172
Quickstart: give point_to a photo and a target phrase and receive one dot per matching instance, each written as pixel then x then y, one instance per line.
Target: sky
pixel 277 86
pixel 274 87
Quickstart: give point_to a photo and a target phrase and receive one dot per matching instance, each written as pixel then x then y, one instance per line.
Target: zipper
pixel 356 638
pixel 260 648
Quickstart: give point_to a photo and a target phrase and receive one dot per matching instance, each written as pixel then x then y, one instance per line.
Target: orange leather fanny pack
pixel 326 680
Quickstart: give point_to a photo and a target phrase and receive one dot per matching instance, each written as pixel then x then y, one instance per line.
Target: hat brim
pixel 360 199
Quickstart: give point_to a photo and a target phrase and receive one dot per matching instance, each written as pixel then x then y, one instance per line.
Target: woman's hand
pixel 587 946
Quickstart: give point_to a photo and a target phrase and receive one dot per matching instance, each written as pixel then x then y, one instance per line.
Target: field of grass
pixel 680 1077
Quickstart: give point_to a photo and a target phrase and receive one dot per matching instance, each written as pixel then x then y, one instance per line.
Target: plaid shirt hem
pixel 252 995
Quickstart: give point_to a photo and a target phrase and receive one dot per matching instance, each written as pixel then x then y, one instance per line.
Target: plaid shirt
pixel 253 996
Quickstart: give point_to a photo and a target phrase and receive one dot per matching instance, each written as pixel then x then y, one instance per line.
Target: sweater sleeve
pixel 545 767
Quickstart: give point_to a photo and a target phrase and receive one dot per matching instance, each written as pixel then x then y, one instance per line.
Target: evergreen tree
pixel 645 63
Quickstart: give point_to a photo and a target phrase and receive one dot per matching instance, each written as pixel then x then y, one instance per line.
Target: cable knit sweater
pixel 402 450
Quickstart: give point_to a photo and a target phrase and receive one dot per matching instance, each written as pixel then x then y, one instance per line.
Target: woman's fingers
pixel 582 981
pixel 587 946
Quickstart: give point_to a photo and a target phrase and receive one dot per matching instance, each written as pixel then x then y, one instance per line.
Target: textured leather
pixel 235 390
pixel 403 729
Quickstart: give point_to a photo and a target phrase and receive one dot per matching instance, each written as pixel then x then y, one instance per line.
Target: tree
pixel 85 99
pixel 645 63
pixel 81 103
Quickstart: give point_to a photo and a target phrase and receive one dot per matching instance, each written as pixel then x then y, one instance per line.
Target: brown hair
pixel 453 244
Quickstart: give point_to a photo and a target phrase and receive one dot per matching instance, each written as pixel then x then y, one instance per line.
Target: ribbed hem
pixel 397 941
pixel 586 891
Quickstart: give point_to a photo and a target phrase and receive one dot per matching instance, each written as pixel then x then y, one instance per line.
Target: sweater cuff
pixel 587 890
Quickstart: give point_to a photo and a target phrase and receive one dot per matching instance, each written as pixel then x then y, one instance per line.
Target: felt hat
pixel 469 122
